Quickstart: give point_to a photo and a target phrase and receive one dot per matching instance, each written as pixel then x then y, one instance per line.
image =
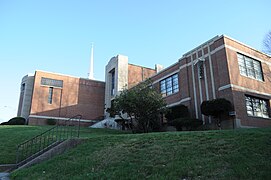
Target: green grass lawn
pixel 11 136
pixel 231 154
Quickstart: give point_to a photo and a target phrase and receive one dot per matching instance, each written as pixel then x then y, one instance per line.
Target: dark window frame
pixel 250 67
pixel 169 85
pixel 113 77
pixel 23 87
pixel 257 107
pixel 50 95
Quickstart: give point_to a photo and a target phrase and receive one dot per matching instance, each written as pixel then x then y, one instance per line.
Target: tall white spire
pixel 90 74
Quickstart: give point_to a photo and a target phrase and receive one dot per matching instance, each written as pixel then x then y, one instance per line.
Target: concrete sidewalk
pixel 4 176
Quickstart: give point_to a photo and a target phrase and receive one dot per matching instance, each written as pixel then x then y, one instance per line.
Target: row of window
pixel 252 68
pixel 255 106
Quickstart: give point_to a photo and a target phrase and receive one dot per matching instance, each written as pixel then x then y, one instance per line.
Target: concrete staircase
pixel 106 123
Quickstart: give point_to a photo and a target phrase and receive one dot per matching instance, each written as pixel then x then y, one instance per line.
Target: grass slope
pixel 239 154
pixel 11 136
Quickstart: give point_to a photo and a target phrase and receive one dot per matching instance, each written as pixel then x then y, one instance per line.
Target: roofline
pixel 163 70
pixel 141 66
pixel 189 52
pixel 67 75
pixel 246 45
pixel 201 45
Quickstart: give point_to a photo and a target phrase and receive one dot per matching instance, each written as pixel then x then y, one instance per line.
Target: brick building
pixel 219 68
pixel 46 95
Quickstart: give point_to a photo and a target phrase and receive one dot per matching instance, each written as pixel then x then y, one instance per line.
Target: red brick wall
pixel 248 84
pixel 138 74
pixel 78 96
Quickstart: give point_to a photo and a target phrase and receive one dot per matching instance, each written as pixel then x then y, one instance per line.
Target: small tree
pixel 142 105
pixel 217 108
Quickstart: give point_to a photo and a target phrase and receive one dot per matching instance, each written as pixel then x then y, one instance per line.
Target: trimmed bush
pixel 51 122
pixel 218 108
pixel 15 121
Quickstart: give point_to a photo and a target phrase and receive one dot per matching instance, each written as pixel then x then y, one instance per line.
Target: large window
pixel 113 82
pixel 257 107
pixel 50 95
pixel 169 85
pixel 23 87
pixel 250 67
pixel 51 82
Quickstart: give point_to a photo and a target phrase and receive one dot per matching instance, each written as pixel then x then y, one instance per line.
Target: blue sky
pixel 56 36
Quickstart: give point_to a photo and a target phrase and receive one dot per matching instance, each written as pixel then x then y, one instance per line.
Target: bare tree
pixel 267 43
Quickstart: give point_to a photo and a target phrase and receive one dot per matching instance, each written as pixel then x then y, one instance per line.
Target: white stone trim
pixel 179 102
pixel 218 49
pixel 245 45
pixel 238 124
pixel 206 55
pixel 249 55
pixel 224 87
pixel 194 88
pixel 202 45
pixel 206 82
pixel 211 72
pixel 242 88
pixel 60 118
pixel 185 65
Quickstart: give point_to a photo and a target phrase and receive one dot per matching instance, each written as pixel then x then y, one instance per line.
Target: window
pixel 250 67
pixel 23 87
pixel 169 85
pixel 51 82
pixel 257 107
pixel 50 95
pixel 113 82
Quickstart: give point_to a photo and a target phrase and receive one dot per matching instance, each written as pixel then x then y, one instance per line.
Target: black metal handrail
pixel 47 139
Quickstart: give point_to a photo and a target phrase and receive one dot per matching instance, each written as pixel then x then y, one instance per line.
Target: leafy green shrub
pixel 217 108
pixel 186 123
pixel 15 121
pixel 51 122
